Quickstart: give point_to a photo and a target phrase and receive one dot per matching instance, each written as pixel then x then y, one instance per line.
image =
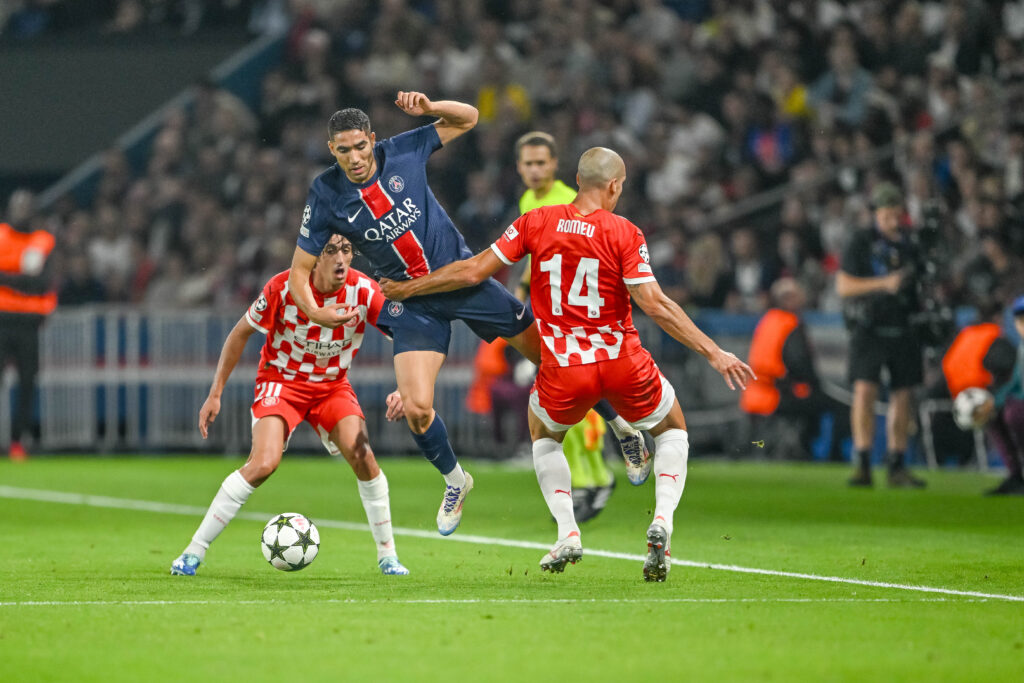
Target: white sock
pixel 673 447
pixel 620 427
pixel 456 477
pixel 555 483
pixel 374 494
pixel 232 495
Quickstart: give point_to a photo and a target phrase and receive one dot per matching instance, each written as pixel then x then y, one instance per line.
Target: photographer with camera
pixel 877 284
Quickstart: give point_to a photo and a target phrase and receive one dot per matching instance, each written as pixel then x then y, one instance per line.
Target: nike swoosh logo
pixel 520 314
pixel 353 216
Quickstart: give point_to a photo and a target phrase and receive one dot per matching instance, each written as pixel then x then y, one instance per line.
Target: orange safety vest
pixel 488 365
pixel 962 364
pixel 13 245
pixel 761 397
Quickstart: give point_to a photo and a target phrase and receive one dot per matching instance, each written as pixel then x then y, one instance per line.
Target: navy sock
pixel 435 446
pixel 605 410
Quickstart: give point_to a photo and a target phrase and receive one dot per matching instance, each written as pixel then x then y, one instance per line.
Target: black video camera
pixel 922 289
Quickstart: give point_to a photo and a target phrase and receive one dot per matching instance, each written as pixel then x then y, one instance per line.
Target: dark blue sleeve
pixel 419 142
pixel 315 231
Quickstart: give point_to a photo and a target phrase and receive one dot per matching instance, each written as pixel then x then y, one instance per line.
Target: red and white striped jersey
pixel 295 348
pixel 579 270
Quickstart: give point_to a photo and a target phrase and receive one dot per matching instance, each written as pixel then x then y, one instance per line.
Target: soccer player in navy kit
pixel 378 197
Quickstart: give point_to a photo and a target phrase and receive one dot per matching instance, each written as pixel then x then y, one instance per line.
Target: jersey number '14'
pixel 586 274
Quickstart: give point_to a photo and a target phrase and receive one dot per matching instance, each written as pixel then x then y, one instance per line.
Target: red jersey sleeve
pixel 511 246
pixel 262 313
pixel 636 262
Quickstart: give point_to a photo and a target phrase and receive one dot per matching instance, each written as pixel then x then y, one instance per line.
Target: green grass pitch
pixel 85 593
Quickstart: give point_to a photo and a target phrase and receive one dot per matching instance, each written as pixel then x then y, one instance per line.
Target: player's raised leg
pixel 416 372
pixel 555 482
pixel 352 440
pixel 268 439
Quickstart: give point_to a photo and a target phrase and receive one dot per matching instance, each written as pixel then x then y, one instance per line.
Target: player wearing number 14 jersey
pixel 586 264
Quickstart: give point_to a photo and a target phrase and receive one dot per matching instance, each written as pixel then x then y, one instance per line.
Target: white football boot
pixel 568 550
pixel 450 513
pixel 638 458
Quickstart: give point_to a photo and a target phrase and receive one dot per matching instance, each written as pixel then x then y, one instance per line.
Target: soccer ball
pixel 964 405
pixel 290 541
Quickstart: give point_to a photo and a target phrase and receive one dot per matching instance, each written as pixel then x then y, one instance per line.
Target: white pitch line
pixel 192 510
pixel 469 601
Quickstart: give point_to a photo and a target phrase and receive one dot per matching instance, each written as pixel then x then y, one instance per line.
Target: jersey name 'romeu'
pixel 393 219
pixel 578 273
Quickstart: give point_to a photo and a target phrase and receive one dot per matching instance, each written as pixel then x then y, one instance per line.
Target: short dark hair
pixel 536 138
pixel 348 119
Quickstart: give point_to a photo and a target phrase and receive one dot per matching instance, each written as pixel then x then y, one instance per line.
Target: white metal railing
pixel 125 379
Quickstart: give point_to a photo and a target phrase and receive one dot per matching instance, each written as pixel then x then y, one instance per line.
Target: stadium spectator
pixel 27 296
pixel 313 387
pixel 878 305
pixel 589 365
pixel 787 384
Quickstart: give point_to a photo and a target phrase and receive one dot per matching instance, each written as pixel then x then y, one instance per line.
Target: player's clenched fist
pixel 394 289
pixel 414 103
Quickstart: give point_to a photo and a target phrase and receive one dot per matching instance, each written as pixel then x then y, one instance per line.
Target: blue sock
pixel 435 446
pixel 605 410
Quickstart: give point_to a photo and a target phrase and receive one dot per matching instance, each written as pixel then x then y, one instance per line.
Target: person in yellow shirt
pixel 592 480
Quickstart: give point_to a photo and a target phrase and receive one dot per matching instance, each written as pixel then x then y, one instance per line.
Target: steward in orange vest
pixel 787 382
pixel 963 362
pixel 27 296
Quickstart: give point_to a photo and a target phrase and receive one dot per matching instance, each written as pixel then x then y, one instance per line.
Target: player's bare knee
pixel 363 463
pixel 260 466
pixel 419 416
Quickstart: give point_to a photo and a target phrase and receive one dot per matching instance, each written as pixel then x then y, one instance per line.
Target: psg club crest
pixel 396 184
pixel 395 309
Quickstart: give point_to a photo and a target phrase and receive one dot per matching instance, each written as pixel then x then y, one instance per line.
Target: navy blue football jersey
pixel 393 219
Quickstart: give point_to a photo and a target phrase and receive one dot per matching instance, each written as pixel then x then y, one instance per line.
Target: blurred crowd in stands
pixel 752 132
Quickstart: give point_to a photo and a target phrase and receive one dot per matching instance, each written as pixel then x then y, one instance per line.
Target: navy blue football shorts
pixel 424 323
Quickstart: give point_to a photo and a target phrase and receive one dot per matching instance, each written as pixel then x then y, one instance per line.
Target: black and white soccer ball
pixel 966 403
pixel 290 541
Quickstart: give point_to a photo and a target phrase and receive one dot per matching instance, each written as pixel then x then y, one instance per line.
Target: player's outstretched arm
pixel 454 118
pixel 229 355
pixel 673 319
pixel 298 284
pixel 457 275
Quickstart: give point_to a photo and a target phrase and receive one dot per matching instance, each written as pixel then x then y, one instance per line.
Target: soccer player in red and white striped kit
pixel 302 376
pixel 586 264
